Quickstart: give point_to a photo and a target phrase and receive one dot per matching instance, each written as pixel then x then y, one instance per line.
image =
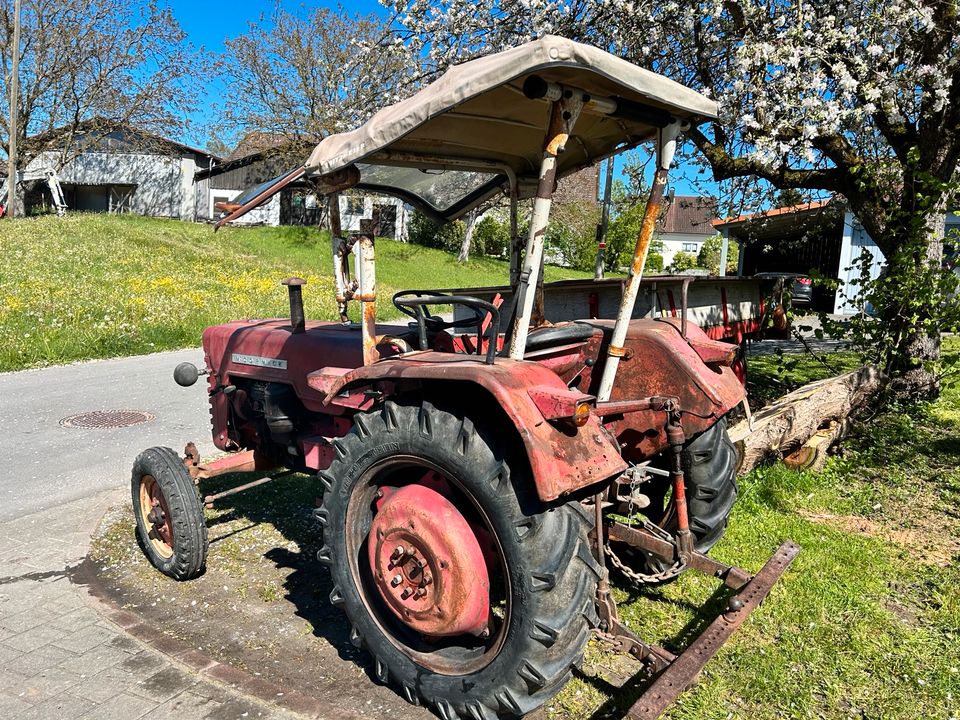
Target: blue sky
pixel 210 22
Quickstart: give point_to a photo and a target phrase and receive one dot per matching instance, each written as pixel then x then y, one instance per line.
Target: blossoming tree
pixel 857 98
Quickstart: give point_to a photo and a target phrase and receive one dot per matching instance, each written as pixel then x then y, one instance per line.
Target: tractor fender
pixel 562 458
pixel 660 360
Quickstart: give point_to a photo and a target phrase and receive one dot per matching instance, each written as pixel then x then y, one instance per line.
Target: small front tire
pixel 171 526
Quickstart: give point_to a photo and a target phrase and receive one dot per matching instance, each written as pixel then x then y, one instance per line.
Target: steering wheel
pixel 419 299
pixel 413 303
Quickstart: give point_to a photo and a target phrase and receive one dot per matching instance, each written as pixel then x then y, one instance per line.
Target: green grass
pixel 866 623
pixel 94 286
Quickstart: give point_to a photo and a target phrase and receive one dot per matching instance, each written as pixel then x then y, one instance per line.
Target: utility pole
pixel 604 220
pixel 14 107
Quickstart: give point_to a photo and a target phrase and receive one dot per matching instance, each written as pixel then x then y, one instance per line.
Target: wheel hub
pixel 428 565
pixel 154 508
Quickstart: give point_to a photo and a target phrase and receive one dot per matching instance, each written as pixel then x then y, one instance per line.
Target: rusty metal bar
pixel 514 238
pixel 209 500
pixel 604 221
pixel 298 321
pixel 733 577
pixel 563 115
pixel 284 180
pixel 667 143
pixel 682 672
pixel 366 260
pixel 684 292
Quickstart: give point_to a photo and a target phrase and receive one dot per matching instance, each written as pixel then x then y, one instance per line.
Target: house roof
pixel 772 213
pixel 285 155
pixel 690 214
pixel 106 140
pixel 258 142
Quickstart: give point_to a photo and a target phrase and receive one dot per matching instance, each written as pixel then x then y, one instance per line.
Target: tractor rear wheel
pixel 170 523
pixel 710 477
pixel 470 594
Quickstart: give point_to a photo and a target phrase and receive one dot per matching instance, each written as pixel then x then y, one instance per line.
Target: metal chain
pixel 635 576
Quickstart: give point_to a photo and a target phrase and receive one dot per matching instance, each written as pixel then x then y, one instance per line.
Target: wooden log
pixel 801 426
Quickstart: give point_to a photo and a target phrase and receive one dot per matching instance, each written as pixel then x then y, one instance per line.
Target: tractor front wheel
pixel 470 594
pixel 170 523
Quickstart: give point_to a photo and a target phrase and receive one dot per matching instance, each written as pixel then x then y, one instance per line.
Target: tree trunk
pixel 785 428
pixel 464 255
pixel 913 366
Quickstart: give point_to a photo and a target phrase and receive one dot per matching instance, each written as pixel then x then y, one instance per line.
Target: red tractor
pixel 481 470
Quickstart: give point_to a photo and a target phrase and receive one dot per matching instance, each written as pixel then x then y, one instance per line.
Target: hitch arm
pixel 682 672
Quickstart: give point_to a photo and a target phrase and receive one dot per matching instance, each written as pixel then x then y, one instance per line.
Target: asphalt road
pixel 45 464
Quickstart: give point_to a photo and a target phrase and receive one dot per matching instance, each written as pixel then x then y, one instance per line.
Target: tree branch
pixel 726 166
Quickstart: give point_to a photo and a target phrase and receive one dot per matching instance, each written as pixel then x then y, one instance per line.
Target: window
pixel 216 212
pixel 354 206
pixel 691 247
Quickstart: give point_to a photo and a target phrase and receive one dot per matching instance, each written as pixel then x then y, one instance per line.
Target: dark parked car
pixel 801 287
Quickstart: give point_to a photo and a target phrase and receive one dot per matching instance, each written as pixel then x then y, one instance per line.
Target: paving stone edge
pixel 177 651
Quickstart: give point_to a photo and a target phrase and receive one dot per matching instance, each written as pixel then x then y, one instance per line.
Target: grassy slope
pixel 866 623
pixel 91 286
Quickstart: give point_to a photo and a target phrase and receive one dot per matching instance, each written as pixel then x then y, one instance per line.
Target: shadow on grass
pixel 287 504
pixel 621 698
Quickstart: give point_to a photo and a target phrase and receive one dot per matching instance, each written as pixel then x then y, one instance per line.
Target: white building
pixel 686 225
pixel 123 170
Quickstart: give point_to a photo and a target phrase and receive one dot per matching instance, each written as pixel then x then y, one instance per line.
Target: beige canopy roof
pixel 477 111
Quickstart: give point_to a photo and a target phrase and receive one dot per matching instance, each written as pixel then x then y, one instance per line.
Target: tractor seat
pixel 554 335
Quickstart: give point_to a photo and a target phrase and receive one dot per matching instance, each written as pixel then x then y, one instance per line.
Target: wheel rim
pixel 156 516
pixel 471 635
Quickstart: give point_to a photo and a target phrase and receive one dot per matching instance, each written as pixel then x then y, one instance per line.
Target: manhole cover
pixel 104 419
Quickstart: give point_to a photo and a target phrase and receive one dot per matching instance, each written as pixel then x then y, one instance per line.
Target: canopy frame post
pixel 666 148
pixel 564 112
pixel 514 236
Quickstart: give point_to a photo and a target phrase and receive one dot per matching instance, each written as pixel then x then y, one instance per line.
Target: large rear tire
pixel 542 576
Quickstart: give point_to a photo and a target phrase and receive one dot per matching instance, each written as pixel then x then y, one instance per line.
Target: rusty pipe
pixel 298 321
pixel 367 295
pixel 667 147
pixel 563 116
pixel 341 248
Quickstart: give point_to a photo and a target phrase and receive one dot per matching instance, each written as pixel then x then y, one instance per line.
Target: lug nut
pixel 398 553
pixel 427 579
pixel 406 593
pixel 397 579
pixel 419 593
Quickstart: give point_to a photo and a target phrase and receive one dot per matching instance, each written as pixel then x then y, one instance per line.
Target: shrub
pixel 421 230
pixel 571 234
pixel 709 256
pixel 683 261
pixel 491 237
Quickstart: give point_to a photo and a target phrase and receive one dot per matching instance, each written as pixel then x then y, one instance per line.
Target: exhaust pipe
pixel 298 322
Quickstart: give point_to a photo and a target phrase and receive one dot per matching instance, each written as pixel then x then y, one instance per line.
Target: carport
pixel 804 239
